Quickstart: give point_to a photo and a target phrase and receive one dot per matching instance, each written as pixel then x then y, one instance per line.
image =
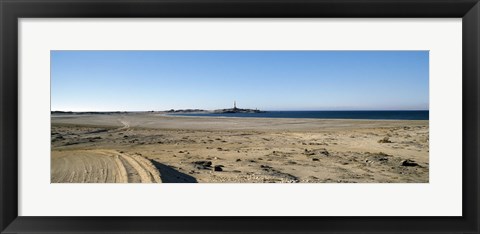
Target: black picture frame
pixel 12 10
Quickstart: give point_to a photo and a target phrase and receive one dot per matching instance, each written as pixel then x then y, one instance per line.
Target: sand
pixel 152 147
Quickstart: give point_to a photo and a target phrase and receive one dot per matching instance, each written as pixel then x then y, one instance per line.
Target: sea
pixel 378 115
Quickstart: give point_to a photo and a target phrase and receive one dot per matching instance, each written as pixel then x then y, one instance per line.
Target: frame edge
pixel 9 118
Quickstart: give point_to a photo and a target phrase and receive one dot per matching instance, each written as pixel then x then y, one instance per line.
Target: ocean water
pixel 380 115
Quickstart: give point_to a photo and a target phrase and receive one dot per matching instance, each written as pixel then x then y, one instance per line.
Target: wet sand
pixel 151 147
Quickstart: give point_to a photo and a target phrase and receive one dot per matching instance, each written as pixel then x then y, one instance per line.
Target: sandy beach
pixel 152 147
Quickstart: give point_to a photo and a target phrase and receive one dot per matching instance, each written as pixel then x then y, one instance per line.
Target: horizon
pixel 138 81
pixel 218 109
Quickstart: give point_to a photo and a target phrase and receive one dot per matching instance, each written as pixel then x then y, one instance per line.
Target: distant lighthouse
pixel 234 105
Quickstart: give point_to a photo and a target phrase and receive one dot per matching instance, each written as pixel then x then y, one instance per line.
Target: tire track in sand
pixel 101 166
pixel 137 167
pixel 125 128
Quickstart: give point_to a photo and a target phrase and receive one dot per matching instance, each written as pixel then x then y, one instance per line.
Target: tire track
pixel 137 168
pixel 101 166
pixel 149 167
pixel 125 128
pixel 122 176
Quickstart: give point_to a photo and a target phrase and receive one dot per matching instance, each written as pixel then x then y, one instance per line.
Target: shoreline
pixel 155 121
pixel 213 114
pixel 228 117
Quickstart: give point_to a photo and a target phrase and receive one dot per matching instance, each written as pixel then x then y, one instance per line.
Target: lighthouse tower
pixel 234 105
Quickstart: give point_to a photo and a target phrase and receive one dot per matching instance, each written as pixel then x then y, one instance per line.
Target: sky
pixel 267 80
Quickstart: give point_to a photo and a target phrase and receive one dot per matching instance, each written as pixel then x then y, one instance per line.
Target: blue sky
pixel 267 80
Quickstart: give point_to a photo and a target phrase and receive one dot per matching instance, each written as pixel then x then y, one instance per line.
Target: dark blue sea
pixel 380 115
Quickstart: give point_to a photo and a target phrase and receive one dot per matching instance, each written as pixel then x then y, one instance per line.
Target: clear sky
pixel 267 80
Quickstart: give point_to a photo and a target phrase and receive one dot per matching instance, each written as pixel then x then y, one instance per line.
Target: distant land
pixel 186 111
pixel 92 112
pixel 218 111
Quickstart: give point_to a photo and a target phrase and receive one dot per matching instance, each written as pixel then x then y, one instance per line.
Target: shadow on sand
pixel 170 175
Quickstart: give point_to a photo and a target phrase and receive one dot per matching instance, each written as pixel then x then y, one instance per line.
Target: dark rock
pixel 202 164
pixel 324 152
pixel 316 152
pixel 238 160
pixel 218 168
pixel 409 163
pixel 385 140
pixel 205 163
pixel 315 159
pixel 265 167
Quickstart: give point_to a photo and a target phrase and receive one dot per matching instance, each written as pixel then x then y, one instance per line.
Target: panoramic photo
pixel 239 117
